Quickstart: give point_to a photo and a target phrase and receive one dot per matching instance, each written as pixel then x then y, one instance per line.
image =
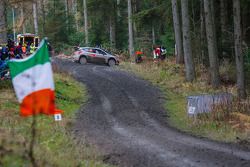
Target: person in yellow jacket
pixel 32 48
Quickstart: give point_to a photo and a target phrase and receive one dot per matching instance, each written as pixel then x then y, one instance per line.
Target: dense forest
pixel 197 32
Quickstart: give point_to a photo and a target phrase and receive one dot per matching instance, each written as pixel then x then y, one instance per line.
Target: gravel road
pixel 126 121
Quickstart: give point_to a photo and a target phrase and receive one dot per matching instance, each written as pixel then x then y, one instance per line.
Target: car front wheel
pixel 111 62
pixel 83 60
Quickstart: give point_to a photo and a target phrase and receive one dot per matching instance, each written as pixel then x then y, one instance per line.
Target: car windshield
pixel 102 51
pixel 107 52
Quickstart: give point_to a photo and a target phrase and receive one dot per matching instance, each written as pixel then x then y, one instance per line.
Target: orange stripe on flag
pixel 42 101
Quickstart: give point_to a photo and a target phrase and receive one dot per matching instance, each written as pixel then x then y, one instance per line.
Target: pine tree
pixel 189 64
pixel 178 34
pixel 3 22
pixel 238 50
pixel 212 44
pixel 130 30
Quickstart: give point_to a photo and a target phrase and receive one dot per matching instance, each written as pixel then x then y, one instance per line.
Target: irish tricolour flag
pixel 32 79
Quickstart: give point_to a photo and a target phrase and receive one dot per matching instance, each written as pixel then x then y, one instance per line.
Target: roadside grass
pixel 169 77
pixel 54 144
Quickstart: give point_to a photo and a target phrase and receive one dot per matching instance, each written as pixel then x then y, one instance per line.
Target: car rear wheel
pixel 83 60
pixel 111 62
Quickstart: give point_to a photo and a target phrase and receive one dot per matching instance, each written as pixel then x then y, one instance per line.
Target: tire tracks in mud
pixel 125 120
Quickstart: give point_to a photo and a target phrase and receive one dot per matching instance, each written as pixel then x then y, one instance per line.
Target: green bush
pixel 76 39
pixel 61 47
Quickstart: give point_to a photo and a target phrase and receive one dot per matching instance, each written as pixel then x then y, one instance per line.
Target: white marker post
pixel 58 117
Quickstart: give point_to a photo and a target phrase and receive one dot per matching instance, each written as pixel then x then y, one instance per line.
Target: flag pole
pixel 32 142
pixel 33 126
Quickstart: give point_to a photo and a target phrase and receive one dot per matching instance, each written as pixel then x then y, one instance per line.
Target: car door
pixel 91 54
pixel 99 56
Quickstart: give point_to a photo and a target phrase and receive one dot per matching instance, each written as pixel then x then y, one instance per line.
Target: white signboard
pixel 191 110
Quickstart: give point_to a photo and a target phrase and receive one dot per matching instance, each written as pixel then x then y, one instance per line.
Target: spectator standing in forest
pixel 10 44
pixel 24 49
pixel 138 55
pixel 18 50
pixel 163 53
pixel 32 48
pixel 28 48
pixel 156 53
pixel 4 53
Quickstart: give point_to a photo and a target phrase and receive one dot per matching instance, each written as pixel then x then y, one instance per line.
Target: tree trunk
pixel 212 45
pixel 177 31
pixel 3 22
pixel 34 7
pixel 73 8
pixel 223 22
pixel 118 8
pixel 223 17
pixel 44 15
pixel 202 34
pixel 134 10
pixel 238 50
pixel 112 32
pixel 130 30
pixel 13 23
pixel 66 5
pixel 74 13
pixel 86 22
pixel 153 34
pixel 189 64
pixel 22 19
pixel 212 12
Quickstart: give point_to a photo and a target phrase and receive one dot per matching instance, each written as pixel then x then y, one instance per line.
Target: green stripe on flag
pixel 40 57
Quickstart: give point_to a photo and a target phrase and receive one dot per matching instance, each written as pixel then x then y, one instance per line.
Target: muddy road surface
pixel 126 121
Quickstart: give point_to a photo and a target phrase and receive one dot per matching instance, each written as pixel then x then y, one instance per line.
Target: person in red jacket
pixel 156 53
pixel 138 55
